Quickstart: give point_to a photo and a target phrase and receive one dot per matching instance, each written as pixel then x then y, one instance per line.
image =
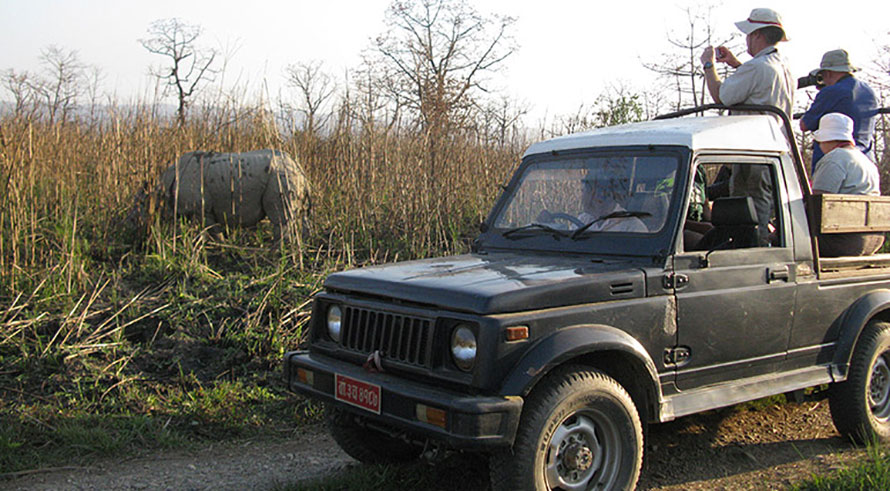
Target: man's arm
pixel 712 79
pixel 714 83
pixel 825 102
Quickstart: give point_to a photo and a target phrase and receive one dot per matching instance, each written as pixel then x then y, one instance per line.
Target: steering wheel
pixel 569 218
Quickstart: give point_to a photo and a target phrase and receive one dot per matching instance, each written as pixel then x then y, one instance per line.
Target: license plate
pixel 357 393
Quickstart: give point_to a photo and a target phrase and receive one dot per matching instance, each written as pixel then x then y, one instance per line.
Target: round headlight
pixel 334 316
pixel 463 348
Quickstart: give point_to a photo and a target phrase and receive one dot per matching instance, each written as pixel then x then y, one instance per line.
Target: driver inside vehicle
pixel 602 195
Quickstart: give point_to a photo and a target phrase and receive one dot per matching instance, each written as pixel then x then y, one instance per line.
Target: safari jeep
pixel 619 281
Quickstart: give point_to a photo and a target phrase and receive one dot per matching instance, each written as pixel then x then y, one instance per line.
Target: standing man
pixel 765 79
pixel 844 169
pixel 843 94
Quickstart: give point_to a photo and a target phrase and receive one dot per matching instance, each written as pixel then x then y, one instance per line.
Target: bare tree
pixel 436 55
pixel 62 82
pixel 503 117
pixel 315 87
pixel 189 64
pixel 19 85
pixel 680 66
pixel 94 78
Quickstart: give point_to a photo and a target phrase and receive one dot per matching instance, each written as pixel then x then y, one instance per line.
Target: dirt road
pixel 736 448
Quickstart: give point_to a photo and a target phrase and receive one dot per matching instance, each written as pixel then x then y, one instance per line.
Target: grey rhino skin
pixel 238 189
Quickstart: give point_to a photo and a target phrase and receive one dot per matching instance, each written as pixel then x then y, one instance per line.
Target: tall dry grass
pixel 125 336
pixel 377 194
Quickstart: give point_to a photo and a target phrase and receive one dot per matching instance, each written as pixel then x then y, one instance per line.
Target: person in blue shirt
pixel 843 94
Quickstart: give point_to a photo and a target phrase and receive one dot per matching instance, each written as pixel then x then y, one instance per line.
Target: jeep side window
pixel 732 205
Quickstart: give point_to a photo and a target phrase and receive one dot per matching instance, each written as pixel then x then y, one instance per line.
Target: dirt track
pixel 733 448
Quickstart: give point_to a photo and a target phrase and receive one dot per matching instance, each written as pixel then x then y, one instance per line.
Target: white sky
pixel 570 50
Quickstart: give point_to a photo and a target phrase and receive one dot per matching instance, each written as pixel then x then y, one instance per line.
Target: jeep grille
pixel 399 337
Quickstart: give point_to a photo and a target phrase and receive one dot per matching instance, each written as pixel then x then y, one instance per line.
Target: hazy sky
pixel 569 50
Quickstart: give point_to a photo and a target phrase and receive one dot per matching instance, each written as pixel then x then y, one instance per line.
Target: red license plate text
pixel 357 393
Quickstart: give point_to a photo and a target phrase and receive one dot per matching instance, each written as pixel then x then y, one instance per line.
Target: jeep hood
pixel 497 282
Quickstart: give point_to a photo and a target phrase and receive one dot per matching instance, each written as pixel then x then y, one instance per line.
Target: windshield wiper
pixel 535 226
pixel 615 214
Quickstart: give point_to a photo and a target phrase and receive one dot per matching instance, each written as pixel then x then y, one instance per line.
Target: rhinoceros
pixel 234 189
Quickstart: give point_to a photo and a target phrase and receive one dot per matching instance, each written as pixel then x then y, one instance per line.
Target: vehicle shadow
pixel 766 444
pixel 720 444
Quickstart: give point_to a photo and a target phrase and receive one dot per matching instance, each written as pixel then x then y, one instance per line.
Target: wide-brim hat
pixel 761 18
pixel 837 60
pixel 834 127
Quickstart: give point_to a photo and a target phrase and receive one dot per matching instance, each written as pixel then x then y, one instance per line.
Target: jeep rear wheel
pixel 579 430
pixel 860 406
pixel 367 445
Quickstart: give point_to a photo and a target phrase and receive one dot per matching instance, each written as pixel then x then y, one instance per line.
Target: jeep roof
pixel 710 132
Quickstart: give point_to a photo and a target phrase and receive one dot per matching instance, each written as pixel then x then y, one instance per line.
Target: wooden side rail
pixel 847 213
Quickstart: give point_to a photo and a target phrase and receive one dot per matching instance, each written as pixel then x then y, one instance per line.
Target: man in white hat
pixel 844 94
pixel 765 79
pixel 844 169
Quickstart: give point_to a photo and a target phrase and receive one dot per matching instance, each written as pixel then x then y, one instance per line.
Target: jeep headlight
pixel 334 316
pixel 463 347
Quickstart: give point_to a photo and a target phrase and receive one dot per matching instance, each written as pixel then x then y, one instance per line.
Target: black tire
pixel 860 406
pixel 366 445
pixel 579 430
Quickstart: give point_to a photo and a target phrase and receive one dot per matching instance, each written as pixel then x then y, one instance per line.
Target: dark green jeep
pixel 621 279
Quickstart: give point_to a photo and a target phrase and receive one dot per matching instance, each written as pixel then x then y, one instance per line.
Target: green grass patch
pixel 874 473
pixel 166 349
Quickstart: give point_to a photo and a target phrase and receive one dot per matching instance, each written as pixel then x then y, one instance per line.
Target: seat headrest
pixel 735 210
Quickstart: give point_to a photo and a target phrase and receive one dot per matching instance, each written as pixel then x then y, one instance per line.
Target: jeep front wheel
pixel 579 430
pixel 860 406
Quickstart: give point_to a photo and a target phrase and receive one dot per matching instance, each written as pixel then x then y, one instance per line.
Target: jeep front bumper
pixel 470 421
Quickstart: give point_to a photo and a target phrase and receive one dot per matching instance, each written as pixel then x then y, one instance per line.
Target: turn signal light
pixel 434 416
pixel 306 376
pixel 517 333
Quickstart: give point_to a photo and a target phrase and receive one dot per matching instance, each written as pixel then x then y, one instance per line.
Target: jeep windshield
pixel 593 196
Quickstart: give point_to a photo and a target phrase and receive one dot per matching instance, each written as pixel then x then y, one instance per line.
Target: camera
pixel 813 78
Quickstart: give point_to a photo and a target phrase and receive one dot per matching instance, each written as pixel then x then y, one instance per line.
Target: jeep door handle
pixel 778 274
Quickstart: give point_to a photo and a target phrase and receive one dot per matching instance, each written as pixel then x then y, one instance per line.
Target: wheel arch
pixel 873 305
pixel 605 348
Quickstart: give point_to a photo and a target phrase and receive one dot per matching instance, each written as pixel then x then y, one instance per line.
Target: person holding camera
pixel 765 79
pixel 845 94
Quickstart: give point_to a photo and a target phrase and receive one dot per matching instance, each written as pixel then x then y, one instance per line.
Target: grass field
pixel 114 338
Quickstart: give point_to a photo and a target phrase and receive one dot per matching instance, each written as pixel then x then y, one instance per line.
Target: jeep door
pixel 735 300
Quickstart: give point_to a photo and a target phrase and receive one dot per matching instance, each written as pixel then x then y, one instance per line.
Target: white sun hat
pixel 761 18
pixel 834 127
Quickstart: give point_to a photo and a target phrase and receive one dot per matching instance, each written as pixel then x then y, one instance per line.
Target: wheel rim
pixel 583 453
pixel 879 388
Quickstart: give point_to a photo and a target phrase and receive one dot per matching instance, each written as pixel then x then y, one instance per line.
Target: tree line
pixel 429 71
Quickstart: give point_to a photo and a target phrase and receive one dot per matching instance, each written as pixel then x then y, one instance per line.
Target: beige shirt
pixel 764 79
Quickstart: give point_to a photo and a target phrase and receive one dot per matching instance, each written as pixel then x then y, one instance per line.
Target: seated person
pixel 844 169
pixel 602 194
pixel 601 198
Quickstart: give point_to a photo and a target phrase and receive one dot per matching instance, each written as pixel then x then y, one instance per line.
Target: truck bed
pixel 844 213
